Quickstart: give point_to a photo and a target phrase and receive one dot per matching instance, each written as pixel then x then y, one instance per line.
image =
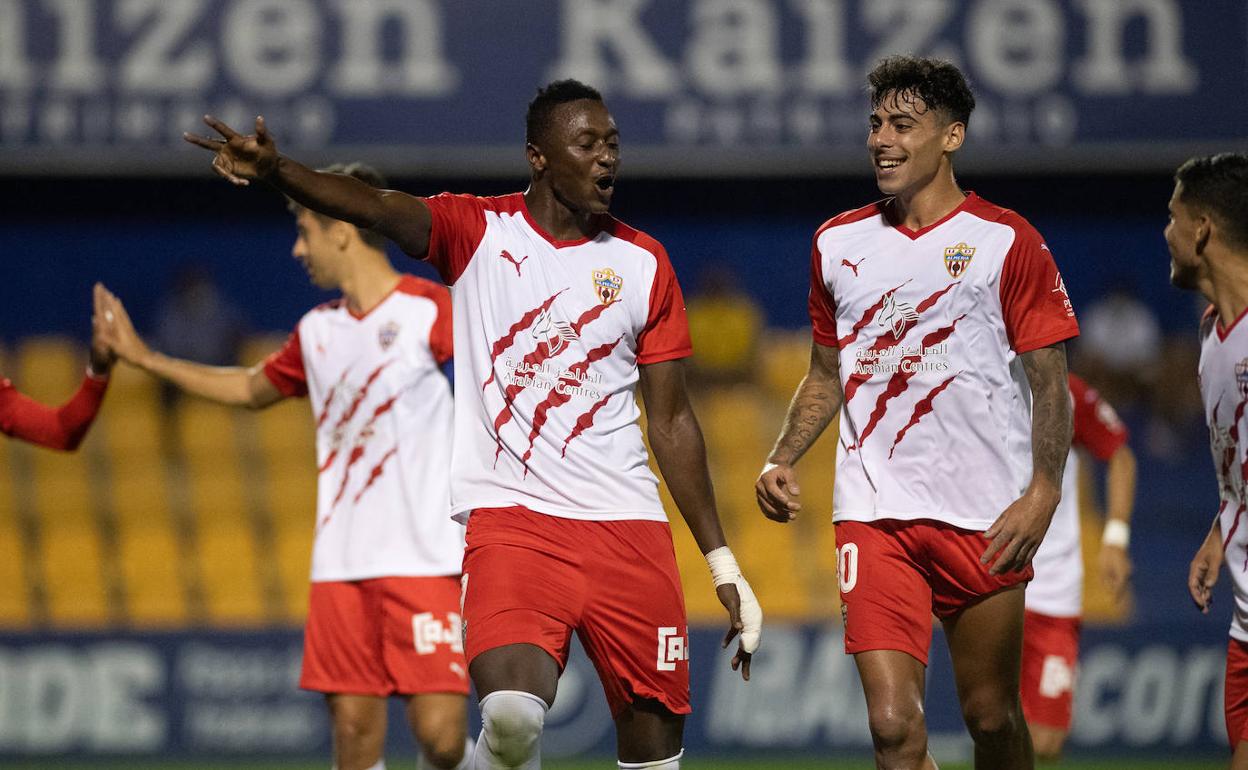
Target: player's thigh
pixel 894 683
pixel 523 667
pixel 985 645
pixel 646 731
pixel 423 642
pixel 886 602
pixel 438 718
pixel 359 725
pixel 634 627
pixel 1050 652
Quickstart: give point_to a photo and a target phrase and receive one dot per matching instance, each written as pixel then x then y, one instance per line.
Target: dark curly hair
pixel 938 83
pixel 366 174
pixel 537 119
pixel 1218 185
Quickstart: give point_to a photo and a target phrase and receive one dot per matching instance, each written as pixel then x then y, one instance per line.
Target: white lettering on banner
pixel 428 632
pixel 271 47
pixel 1017 46
pixel 825 70
pixel 153 64
pixel 227 671
pixel 15 68
pixel 56 698
pixel 673 648
pixel 798 693
pixel 1163 70
pixel 421 70
pixel 910 26
pixel 734 48
pixel 1155 696
pixel 590 27
pixel 77 68
pixel 249 726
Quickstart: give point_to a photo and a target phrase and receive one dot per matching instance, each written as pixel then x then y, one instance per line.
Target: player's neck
pixel 929 204
pixel 1227 286
pixel 368 280
pixel 553 216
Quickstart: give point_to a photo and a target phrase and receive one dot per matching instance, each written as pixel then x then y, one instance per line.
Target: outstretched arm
pixel 680 451
pixel 63 428
pixel 229 385
pixel 814 406
pixel 1018 531
pixel 403 218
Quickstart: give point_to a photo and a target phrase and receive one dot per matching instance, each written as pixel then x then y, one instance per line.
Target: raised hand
pixel 238 158
pixel 115 329
pixel 102 355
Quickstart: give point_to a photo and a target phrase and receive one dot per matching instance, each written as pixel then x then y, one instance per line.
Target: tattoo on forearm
pixel 1051 426
pixel 814 406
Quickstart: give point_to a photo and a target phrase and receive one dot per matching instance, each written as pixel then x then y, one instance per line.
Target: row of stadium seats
pixel 199 515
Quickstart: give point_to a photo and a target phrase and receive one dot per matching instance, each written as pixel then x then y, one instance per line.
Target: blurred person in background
pixel 384 615
pixel 558 305
pixel 62 427
pixel 1120 345
pixel 725 324
pixel 1054 601
pixel 935 314
pixel 1207 236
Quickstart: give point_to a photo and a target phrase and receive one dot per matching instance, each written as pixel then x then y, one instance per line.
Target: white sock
pixel 381 765
pixel 511 731
pixel 671 763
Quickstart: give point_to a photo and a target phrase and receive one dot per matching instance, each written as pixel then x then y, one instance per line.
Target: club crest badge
pixel 388 334
pixel 958 258
pixel 607 285
pixel 1241 377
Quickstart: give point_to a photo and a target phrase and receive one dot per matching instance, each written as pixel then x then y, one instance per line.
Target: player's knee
pixel 442 740
pixel 895 727
pixel 992 720
pixel 511 725
pixel 355 729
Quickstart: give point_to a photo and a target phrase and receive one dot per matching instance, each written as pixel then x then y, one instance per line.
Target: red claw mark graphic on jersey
pixel 505 341
pixel 556 399
pixel 853 265
pixel 584 422
pixel 923 407
pixel 514 263
pixel 375 473
pixel 891 337
pixel 900 380
pixel 329 400
pixel 357 453
pixel 348 414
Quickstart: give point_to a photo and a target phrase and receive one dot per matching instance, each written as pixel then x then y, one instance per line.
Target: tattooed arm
pixel 1018 532
pixel 816 403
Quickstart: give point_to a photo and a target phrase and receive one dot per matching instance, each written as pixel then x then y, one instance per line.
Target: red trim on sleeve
pixel 63 428
pixel 819 302
pixel 456 230
pixel 284 368
pixel 441 332
pixel 1097 427
pixel 665 336
pixel 1033 295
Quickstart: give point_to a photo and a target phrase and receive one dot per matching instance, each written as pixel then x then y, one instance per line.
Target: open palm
pixel 238 158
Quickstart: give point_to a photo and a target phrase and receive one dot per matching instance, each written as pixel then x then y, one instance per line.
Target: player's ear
pixel 1204 231
pixel 341 233
pixel 537 161
pixel 955 134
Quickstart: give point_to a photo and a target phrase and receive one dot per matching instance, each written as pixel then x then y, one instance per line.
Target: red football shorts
pixel 895 574
pixel 385 636
pixel 1050 652
pixel 533 579
pixel 1237 691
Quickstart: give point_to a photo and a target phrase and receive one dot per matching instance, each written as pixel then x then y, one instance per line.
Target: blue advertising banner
pixel 698 87
pixel 1140 689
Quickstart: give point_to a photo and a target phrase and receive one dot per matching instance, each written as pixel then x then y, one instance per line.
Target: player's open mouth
pixel 888 164
pixel 605 183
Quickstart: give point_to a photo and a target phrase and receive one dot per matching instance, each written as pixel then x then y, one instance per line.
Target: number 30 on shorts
pixel 847 567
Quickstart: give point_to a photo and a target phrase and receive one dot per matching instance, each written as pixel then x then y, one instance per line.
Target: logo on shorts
pixel 428 632
pixel 1056 677
pixel 958 259
pixel 673 648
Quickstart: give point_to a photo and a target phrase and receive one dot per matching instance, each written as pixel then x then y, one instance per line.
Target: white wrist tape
pixel 724 570
pixel 1116 533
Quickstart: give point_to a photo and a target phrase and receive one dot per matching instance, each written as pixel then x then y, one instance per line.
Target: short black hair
pixel 940 85
pixel 1218 185
pixel 366 174
pixel 537 118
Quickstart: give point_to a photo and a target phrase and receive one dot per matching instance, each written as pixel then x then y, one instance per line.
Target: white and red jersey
pixel 1224 391
pixel 936 421
pixel 548 338
pixel 1057 588
pixel 383 411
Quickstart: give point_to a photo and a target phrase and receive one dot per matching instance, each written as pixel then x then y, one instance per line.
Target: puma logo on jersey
pixel 897 315
pixel 853 265
pixel 514 263
pixel 556 334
